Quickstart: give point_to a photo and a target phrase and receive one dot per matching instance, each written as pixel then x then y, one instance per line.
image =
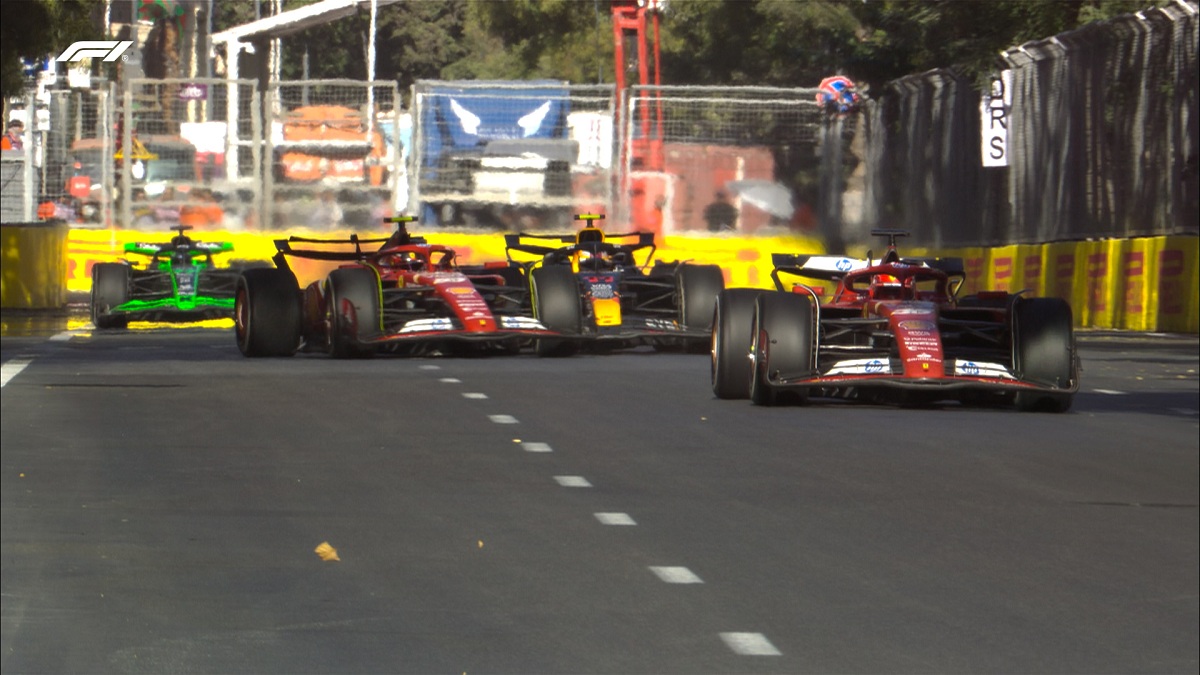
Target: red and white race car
pixel 407 296
pixel 893 331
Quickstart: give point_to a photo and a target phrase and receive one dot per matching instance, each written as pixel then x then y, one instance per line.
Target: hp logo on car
pixel 970 368
pixel 844 265
pixel 875 366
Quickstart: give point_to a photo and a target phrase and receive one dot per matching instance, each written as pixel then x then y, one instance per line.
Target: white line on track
pixel 1185 411
pixel 534 446
pixel 450 380
pixel 11 369
pixel 65 335
pixel 572 481
pixel 1110 392
pixel 429 367
pixel 614 518
pixel 503 419
pixel 750 644
pixel 676 575
pixel 474 394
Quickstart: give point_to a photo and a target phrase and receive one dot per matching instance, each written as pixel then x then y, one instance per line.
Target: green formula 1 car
pixel 179 283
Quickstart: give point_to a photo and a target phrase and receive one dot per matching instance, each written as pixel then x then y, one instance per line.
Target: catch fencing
pixel 187 152
pixel 1102 141
pixel 334 154
pixel 756 148
pixel 57 174
pixel 1101 121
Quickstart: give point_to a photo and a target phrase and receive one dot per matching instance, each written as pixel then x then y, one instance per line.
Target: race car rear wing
pixel 833 268
pixel 516 242
pixel 821 267
pixel 195 247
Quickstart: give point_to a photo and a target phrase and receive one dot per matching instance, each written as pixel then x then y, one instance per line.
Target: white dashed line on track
pixel 614 518
pixel 536 447
pixel 474 394
pixel 65 335
pixel 676 575
pixel 450 380
pixel 572 481
pixel 503 419
pixel 11 369
pixel 1110 392
pixel 429 367
pixel 750 644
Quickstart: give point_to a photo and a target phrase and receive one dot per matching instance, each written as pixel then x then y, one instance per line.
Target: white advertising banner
pixel 995 113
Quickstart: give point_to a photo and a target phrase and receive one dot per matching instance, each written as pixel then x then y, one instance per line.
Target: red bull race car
pixel 893 331
pixel 593 291
pixel 398 294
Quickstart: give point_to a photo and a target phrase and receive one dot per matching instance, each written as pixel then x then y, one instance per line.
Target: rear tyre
pixel 110 289
pixel 1044 350
pixel 266 313
pixel 557 306
pixel 698 286
pixel 782 334
pixel 731 366
pixel 352 301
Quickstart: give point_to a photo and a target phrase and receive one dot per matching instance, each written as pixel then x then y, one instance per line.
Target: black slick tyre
pixel 1044 353
pixel 698 286
pixel 110 289
pixel 782 342
pixel 266 313
pixel 556 304
pixel 352 301
pixel 733 312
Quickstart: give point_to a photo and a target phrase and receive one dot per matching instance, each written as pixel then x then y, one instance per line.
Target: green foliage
pixel 899 38
pixel 538 39
pixel 765 42
pixel 789 43
pixel 35 29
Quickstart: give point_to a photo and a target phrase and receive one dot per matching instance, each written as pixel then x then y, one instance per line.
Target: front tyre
pixel 352 301
pixel 556 304
pixel 782 345
pixel 698 287
pixel 110 289
pixel 266 312
pixel 1044 352
pixel 731 365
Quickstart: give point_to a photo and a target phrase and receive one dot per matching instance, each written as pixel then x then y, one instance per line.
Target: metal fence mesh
pixel 187 153
pixel 1102 143
pixel 755 148
pixel 335 154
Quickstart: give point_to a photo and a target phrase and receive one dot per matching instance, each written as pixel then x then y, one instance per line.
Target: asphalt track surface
pixel 163 498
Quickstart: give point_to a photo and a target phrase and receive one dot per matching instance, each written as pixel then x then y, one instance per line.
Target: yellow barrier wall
pixel 746 262
pixel 34 270
pixel 1146 284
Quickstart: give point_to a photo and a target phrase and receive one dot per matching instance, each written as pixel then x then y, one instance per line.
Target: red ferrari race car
pixel 405 296
pixel 590 289
pixel 892 332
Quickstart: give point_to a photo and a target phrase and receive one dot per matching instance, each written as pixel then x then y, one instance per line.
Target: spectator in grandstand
pixel 65 208
pixel 720 215
pixel 14 136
